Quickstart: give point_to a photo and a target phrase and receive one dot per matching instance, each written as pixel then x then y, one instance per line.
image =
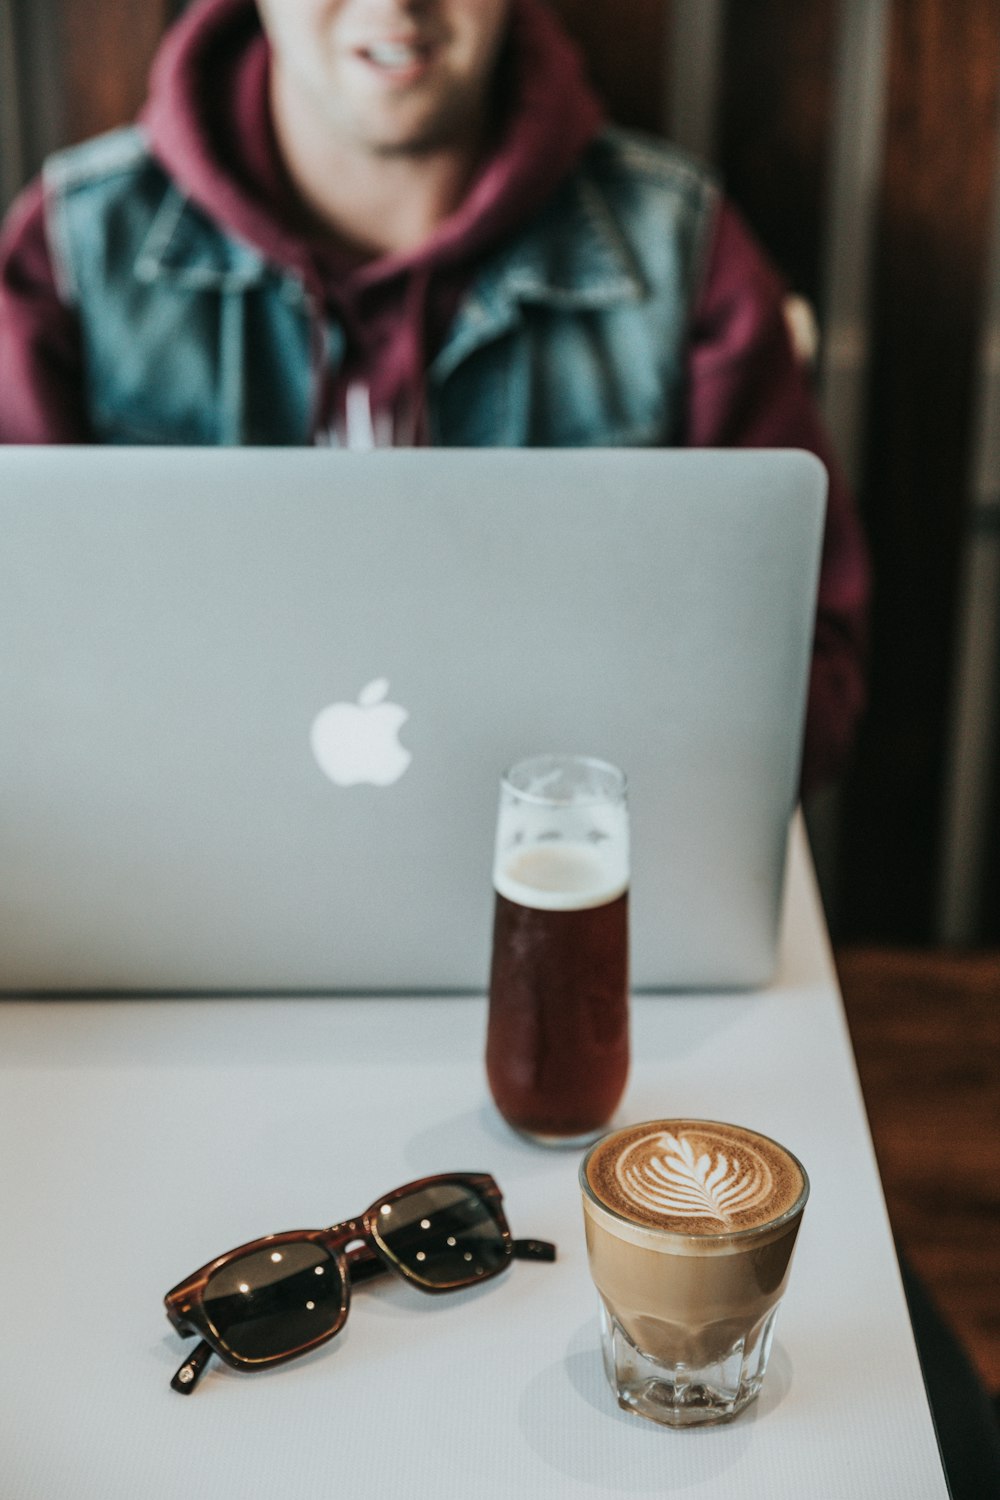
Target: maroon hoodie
pixel 745 386
pixel 213 70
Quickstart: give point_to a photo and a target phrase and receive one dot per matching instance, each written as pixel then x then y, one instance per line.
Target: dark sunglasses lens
pixel 275 1301
pixel 443 1235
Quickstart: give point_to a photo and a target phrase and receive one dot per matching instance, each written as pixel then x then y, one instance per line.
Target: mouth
pixel 396 59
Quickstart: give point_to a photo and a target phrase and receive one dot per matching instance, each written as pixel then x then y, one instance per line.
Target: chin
pixel 450 127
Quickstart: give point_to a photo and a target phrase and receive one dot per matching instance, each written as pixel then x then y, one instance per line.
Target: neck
pixel 374 202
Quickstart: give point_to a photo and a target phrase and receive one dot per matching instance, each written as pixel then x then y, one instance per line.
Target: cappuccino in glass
pixel 690 1229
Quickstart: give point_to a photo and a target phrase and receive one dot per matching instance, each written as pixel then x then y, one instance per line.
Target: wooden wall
pixel 782 97
pixel 779 90
pixel 105 47
pixel 928 304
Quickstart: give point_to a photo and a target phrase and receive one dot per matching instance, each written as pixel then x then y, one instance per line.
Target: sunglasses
pixel 283 1295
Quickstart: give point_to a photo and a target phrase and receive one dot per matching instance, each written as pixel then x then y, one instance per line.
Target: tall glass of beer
pixel 557 1048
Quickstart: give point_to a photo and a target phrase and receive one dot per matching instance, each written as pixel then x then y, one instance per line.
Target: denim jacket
pixel 572 334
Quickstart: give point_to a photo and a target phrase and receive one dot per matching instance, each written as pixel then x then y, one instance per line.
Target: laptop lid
pixel 257 703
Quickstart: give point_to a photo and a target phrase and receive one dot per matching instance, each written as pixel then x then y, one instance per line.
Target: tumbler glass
pixel 690 1230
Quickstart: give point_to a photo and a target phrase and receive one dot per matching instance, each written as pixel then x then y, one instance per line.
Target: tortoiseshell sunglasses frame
pixel 370 1256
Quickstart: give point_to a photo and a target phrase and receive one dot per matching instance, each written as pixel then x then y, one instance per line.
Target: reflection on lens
pixel 272 1302
pixel 443 1235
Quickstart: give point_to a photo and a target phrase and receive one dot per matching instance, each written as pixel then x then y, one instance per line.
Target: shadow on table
pixel 569 1418
pixel 481 1134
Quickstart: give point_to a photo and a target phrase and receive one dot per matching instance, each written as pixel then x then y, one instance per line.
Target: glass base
pixel 680 1394
pixel 567 1142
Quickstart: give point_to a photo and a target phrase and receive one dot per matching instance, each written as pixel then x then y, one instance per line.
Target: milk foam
pixel 662 1173
pixel 694 1177
pixel 561 876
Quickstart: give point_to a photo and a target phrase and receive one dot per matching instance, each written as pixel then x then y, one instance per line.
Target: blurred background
pixel 860 139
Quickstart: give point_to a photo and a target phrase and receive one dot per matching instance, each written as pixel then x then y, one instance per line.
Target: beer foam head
pixel 694 1177
pixel 562 833
pixel 561 875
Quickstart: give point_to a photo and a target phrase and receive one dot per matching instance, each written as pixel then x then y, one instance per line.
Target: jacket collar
pixel 184 247
pixel 575 257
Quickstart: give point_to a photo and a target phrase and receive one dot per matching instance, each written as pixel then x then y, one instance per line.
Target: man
pixel 365 222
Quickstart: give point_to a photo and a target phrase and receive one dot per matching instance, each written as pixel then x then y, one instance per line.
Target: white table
pixel 140 1138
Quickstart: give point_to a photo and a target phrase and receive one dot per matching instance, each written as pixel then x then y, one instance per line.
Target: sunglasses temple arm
pixel 192 1369
pixel 534 1250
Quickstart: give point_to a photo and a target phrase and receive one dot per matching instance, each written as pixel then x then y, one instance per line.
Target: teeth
pixel 392 54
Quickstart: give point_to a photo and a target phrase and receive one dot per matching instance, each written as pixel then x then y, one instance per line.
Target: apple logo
pixel 357 742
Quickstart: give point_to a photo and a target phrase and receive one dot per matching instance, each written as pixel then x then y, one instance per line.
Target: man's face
pixel 389 76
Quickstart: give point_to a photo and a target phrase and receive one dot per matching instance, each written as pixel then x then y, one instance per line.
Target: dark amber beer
pixel 557 1050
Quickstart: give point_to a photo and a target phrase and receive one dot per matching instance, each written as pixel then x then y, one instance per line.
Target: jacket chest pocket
pixel 203 368
pixel 562 381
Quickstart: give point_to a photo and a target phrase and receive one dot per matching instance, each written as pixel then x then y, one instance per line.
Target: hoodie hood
pixel 209 124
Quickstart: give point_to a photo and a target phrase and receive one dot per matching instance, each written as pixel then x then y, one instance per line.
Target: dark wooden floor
pixel 926 1030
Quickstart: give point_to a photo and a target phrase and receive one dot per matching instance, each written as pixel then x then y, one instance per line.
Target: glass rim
pixel 617 792
pixel 676 1236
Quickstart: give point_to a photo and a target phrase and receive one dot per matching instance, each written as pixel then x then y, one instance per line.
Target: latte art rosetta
pixel 666 1176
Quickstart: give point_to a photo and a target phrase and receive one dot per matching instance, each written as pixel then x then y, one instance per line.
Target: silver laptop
pixel 256 704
